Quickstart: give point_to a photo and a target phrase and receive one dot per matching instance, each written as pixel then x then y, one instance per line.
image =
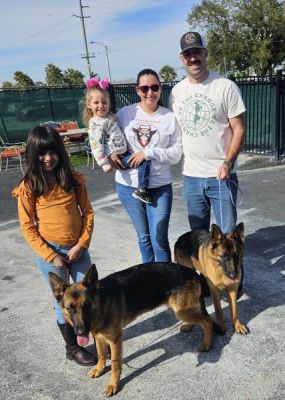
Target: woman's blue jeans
pixel 77 270
pixel 151 221
pixel 202 193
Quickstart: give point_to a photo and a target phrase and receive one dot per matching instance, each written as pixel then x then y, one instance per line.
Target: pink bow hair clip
pixel 104 83
pixel 93 82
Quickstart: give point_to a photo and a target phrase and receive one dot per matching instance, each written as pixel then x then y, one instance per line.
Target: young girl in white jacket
pixel 106 137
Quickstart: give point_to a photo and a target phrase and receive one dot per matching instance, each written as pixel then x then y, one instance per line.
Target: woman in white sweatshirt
pixel 152 133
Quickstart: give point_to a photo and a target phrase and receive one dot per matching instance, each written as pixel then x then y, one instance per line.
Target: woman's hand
pixel 115 161
pixel 74 254
pixel 136 159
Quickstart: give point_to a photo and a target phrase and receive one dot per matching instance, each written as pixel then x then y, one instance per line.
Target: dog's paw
pixel 110 390
pixel 95 373
pixel 240 328
pixel 204 347
pixel 185 328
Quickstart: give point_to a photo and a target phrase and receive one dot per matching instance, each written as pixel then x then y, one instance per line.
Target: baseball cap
pixel 191 40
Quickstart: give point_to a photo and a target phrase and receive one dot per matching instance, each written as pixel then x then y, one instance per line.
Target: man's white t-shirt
pixel 203 111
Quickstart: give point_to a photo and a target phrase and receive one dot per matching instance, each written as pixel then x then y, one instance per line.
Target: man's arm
pixel 238 128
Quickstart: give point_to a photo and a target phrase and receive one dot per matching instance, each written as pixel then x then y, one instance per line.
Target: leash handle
pixel 238 188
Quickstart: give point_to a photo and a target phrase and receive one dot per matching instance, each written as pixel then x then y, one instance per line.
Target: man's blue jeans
pixel 202 193
pixel 151 221
pixel 77 270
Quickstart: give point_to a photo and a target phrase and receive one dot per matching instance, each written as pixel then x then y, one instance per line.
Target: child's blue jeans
pixel 143 170
pixel 77 270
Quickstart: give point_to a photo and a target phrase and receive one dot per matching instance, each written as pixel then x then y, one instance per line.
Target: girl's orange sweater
pixel 58 216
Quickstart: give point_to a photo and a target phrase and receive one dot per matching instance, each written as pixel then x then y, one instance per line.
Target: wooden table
pixel 73 138
pixel 74 132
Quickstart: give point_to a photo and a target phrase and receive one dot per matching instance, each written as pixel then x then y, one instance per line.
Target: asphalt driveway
pixel 159 361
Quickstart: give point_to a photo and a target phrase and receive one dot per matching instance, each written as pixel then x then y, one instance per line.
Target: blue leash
pixel 235 204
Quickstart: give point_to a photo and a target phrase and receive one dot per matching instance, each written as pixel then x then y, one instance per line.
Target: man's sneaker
pixel 142 195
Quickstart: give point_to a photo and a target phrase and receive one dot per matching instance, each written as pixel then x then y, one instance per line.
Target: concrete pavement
pixel 159 361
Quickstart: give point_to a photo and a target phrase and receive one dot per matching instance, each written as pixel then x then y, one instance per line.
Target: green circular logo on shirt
pixel 197 115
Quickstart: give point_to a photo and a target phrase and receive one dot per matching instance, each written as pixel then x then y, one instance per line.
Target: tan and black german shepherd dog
pixel 103 307
pixel 218 257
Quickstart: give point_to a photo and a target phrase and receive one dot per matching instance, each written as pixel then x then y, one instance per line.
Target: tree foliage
pixel 242 34
pixel 7 85
pixel 22 81
pixel 167 73
pixel 40 84
pixel 73 77
pixel 54 76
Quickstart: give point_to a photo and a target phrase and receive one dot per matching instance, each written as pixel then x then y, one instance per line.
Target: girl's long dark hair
pixel 148 71
pixel 40 140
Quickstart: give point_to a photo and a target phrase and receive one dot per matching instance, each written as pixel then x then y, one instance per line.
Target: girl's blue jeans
pixel 77 270
pixel 200 194
pixel 151 221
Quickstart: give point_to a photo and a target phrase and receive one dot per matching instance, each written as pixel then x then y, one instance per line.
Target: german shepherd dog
pixel 103 307
pixel 218 257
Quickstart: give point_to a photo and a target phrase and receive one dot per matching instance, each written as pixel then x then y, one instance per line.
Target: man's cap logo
pixel 190 38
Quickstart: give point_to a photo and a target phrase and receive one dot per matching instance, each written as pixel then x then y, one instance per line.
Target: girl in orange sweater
pixel 56 219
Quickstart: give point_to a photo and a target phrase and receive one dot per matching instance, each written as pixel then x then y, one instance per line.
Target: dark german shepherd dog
pixel 218 257
pixel 103 307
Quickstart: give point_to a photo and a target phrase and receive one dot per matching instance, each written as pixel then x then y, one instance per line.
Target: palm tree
pixel 167 73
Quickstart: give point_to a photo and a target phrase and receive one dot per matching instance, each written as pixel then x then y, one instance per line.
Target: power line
pixel 44 30
pixel 104 10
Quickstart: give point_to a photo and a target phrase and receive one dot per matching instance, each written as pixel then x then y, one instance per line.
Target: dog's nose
pixel 80 331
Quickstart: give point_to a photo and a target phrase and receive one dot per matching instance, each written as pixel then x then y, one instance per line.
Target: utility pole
pixel 107 57
pixel 86 55
pixel 108 63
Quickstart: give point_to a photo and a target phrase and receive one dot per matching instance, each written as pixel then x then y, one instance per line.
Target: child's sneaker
pixel 142 195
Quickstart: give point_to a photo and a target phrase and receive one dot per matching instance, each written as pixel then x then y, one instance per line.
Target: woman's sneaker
pixel 142 195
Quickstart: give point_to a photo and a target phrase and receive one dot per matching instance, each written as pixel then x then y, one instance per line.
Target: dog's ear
pixel 91 277
pixel 58 286
pixel 216 233
pixel 239 231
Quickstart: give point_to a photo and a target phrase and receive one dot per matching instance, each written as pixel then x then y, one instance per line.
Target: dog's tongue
pixel 82 340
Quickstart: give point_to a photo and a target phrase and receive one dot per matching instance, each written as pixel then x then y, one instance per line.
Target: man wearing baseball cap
pixel 209 109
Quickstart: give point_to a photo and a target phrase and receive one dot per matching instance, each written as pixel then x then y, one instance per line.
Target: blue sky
pixel 139 34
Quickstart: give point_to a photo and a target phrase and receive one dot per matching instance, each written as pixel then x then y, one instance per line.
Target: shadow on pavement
pixel 266 282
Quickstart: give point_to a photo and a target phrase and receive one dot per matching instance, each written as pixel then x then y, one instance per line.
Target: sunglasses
pixel 145 88
pixel 192 52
